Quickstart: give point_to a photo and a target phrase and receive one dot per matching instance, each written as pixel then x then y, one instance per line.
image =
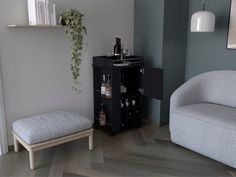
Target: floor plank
pixel 144 152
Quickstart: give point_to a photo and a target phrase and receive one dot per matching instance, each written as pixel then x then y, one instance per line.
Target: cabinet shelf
pixel 34 26
pixel 131 96
pixel 130 108
pixel 107 124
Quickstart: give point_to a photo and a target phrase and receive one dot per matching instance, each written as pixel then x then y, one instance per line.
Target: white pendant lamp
pixel 203 21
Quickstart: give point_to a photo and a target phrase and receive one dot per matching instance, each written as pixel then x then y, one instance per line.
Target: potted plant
pixel 72 19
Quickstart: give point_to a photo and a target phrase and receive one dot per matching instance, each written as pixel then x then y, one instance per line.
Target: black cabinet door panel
pixel 152 82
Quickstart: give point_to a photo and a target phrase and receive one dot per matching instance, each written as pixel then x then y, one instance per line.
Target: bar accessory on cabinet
pixel 126 53
pixel 102 116
pixel 117 48
pixel 110 50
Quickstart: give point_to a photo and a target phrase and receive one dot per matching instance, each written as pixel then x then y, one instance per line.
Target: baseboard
pixel 151 122
pixel 10 148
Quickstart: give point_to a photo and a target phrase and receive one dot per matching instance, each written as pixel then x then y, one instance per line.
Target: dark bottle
pixel 117 48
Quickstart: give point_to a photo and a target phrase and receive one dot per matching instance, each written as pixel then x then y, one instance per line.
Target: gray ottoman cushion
pixel 50 126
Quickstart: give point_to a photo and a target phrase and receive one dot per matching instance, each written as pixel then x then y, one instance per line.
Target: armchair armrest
pixel 190 93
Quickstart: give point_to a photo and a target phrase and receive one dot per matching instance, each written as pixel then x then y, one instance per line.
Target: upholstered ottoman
pixel 51 129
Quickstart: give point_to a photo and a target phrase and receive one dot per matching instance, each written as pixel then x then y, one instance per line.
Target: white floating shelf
pixel 34 26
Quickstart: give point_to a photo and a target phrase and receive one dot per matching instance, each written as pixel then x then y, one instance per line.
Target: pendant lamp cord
pixel 203 5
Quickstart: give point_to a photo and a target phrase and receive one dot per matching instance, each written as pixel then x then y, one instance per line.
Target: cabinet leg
pixel 91 142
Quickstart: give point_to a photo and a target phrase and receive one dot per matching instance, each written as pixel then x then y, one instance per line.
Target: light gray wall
pixel 148 40
pixel 35 63
pixel 207 51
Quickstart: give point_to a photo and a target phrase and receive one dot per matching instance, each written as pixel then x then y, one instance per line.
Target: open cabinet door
pixel 152 82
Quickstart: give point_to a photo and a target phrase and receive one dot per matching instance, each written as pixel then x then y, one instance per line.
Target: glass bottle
pixel 127 103
pixel 133 102
pixel 122 84
pixel 108 94
pixel 103 85
pixel 102 116
pixel 117 48
pixel 122 105
pixel 123 88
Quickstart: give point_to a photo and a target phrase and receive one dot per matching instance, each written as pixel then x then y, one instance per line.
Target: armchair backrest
pixel 218 87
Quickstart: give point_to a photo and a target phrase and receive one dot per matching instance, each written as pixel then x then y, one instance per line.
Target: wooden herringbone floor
pixel 145 152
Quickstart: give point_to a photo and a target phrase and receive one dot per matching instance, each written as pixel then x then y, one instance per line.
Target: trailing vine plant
pixel 72 19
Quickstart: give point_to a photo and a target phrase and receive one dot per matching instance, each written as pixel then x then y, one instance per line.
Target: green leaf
pixel 74 28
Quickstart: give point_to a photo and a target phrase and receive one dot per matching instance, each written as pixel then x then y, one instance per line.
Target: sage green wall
pixel 207 51
pixel 148 40
pixel 155 39
pixel 160 36
pixel 174 51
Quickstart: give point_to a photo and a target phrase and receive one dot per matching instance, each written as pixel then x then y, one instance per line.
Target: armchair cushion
pixel 214 114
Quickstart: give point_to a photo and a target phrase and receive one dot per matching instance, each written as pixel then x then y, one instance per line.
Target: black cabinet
pixel 125 109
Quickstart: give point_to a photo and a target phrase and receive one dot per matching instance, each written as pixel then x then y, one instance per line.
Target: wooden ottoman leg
pixel 91 142
pixel 16 144
pixel 31 159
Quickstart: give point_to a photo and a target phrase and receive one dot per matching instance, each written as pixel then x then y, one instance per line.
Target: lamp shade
pixel 203 21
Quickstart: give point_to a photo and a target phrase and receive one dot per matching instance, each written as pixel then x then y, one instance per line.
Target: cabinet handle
pixel 141 70
pixel 141 90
